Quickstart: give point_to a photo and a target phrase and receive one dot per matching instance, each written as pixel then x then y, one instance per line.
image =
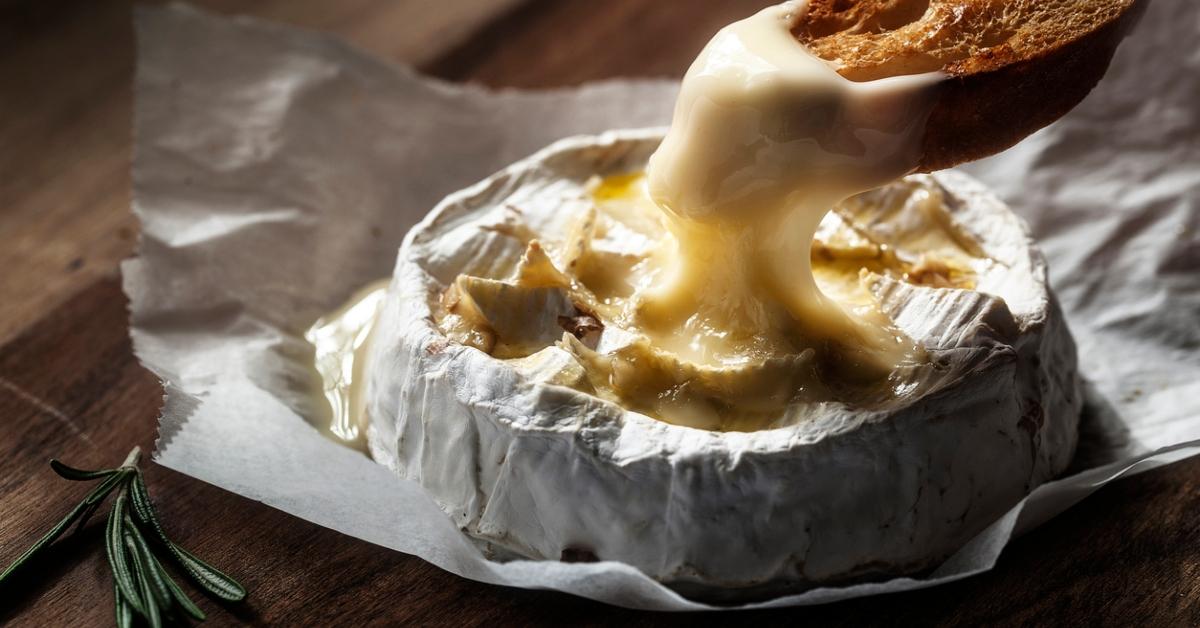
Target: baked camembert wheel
pixel 503 381
pixel 747 354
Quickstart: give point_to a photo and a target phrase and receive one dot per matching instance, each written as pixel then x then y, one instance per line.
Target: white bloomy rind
pixel 540 470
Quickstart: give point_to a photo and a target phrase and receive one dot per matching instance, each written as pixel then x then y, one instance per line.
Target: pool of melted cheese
pixel 735 366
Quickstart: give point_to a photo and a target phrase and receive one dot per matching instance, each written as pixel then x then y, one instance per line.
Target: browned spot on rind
pixel 512 225
pixel 938 273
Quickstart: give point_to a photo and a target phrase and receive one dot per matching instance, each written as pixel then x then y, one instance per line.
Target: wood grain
pixel 70 386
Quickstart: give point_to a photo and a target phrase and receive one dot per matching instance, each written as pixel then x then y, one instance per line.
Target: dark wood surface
pixel 70 386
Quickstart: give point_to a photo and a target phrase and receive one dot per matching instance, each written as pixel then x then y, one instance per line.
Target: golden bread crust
pixel 1014 66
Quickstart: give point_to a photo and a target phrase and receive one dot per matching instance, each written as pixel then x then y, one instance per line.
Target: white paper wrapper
pixel 276 171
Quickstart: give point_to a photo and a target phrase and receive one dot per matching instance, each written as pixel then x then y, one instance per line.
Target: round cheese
pixel 528 464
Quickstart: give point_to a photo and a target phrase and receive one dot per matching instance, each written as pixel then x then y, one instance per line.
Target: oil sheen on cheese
pixel 765 139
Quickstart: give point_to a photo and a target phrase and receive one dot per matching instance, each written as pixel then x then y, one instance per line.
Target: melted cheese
pixel 340 343
pixel 605 260
pixel 615 252
pixel 766 138
pixel 693 293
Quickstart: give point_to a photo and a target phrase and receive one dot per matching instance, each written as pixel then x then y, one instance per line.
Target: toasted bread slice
pixel 1014 66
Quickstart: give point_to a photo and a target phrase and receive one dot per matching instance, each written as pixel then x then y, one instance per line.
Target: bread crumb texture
pixel 872 39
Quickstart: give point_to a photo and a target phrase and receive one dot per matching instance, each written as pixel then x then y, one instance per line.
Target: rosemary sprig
pixel 142 587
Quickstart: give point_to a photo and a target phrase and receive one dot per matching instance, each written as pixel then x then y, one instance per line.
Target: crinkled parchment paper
pixel 276 171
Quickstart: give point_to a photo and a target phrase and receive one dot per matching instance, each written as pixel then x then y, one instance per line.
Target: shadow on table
pixel 38 576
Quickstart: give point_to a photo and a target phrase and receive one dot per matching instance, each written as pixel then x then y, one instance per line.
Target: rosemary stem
pixel 141 584
pixel 132 459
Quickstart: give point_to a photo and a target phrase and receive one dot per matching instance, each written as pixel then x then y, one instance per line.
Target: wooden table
pixel 70 386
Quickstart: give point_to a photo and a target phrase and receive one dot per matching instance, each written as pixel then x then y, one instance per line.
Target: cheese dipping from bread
pixel 689 293
pixel 733 328
pixel 765 139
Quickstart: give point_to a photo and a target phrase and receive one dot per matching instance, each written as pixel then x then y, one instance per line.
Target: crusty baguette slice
pixel 1014 65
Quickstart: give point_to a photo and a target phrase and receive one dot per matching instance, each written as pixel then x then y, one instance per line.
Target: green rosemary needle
pixel 142 587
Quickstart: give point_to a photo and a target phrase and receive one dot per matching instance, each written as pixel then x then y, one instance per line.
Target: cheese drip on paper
pixel 340 342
